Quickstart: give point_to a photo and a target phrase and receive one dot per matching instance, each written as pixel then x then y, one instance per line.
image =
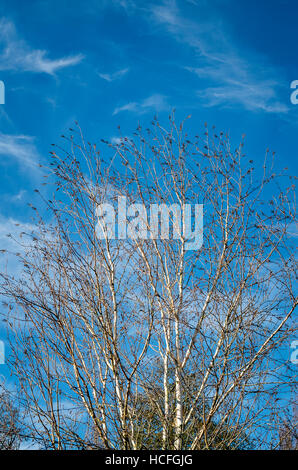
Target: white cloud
pixel 29 445
pixel 167 13
pixel 157 102
pixel 292 230
pixel 93 6
pixel 19 147
pixel 184 30
pixel 126 4
pixel 246 82
pixel 16 54
pixel 13 227
pixel 253 97
pixel 19 196
pixel 11 241
pixel 116 140
pixel 110 77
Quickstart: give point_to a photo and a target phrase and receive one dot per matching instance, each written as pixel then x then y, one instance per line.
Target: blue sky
pixel 109 62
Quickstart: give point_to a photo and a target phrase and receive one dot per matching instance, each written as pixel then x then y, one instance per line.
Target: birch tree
pixel 10 431
pixel 100 325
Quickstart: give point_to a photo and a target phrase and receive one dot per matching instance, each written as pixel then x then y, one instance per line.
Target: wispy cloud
pixel 18 196
pixel 293 230
pixel 12 233
pixel 126 4
pixel 10 230
pixel 168 14
pixel 116 140
pixel 110 77
pixel 157 102
pixel 252 96
pixel 246 82
pixel 16 54
pixel 19 147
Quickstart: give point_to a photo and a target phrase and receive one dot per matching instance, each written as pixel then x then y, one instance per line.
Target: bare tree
pixel 9 423
pixel 101 325
pixel 288 434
